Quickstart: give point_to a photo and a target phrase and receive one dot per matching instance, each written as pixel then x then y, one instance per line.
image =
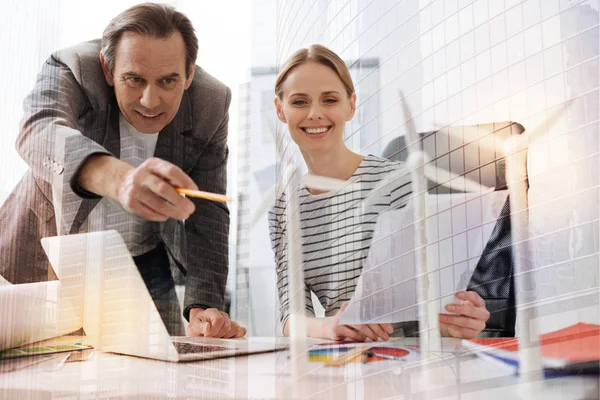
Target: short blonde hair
pixel 319 54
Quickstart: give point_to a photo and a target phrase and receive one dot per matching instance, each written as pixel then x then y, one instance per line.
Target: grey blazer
pixel 71 114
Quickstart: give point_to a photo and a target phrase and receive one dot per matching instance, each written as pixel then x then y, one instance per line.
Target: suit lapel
pixel 112 136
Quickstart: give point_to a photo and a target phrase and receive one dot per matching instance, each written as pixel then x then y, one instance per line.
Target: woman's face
pixel 315 106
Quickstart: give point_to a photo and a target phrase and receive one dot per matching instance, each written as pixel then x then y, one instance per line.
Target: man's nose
pixel 150 98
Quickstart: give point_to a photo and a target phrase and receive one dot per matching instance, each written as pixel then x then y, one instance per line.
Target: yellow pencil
pixel 354 355
pixel 204 195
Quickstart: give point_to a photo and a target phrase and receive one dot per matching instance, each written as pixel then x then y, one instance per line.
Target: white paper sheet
pixel 35 311
pixel 458 227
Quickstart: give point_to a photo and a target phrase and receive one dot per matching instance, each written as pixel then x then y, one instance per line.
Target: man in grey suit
pixel 110 130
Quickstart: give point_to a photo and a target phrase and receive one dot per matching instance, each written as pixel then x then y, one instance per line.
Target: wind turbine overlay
pixel 373 300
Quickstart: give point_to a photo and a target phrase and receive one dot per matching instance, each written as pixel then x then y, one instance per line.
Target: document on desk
pixel 44 363
pixel 458 226
pixel 36 311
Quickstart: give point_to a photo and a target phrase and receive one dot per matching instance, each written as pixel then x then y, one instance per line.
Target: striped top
pixel 337 229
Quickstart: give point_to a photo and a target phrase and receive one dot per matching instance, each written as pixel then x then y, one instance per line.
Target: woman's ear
pixel 279 109
pixel 352 107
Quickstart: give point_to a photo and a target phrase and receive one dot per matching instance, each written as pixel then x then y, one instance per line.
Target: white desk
pixel 266 376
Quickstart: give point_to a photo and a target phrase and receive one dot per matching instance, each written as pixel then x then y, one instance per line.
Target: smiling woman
pixel 315 97
pixel 316 107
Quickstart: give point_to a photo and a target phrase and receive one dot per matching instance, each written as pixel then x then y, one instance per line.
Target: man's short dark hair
pixel 150 19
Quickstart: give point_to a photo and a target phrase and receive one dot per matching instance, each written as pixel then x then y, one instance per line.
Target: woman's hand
pixel 470 319
pixel 331 329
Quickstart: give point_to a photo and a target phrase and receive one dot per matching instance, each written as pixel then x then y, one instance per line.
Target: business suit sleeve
pixel 53 113
pixel 207 229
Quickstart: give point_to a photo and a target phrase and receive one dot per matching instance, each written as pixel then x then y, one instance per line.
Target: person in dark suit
pixel 110 130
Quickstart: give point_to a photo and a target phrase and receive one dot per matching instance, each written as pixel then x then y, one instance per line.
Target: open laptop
pixel 118 314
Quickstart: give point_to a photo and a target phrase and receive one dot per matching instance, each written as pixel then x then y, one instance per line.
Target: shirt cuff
pixel 186 311
pixel 76 188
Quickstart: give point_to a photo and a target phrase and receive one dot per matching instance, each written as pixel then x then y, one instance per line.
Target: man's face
pixel 149 78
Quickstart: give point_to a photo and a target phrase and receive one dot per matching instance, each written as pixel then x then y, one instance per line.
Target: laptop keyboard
pixel 191 348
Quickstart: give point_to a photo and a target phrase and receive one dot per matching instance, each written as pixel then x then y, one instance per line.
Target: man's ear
pixel 279 109
pixel 190 78
pixel 352 107
pixel 107 73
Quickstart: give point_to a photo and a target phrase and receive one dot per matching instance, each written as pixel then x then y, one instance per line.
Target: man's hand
pixel 334 331
pixel 470 319
pixel 213 323
pixel 147 191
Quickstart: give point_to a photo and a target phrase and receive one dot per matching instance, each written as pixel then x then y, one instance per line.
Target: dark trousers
pixel 155 269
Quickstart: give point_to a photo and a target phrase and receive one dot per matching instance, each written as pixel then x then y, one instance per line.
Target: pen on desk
pixel 204 195
pixel 577 368
pixel 370 354
pixel 355 354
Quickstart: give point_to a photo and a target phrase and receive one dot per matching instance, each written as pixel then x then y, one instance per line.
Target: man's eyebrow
pixel 129 74
pixel 171 75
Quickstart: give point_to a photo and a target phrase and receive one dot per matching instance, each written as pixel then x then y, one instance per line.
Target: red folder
pixel 577 343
